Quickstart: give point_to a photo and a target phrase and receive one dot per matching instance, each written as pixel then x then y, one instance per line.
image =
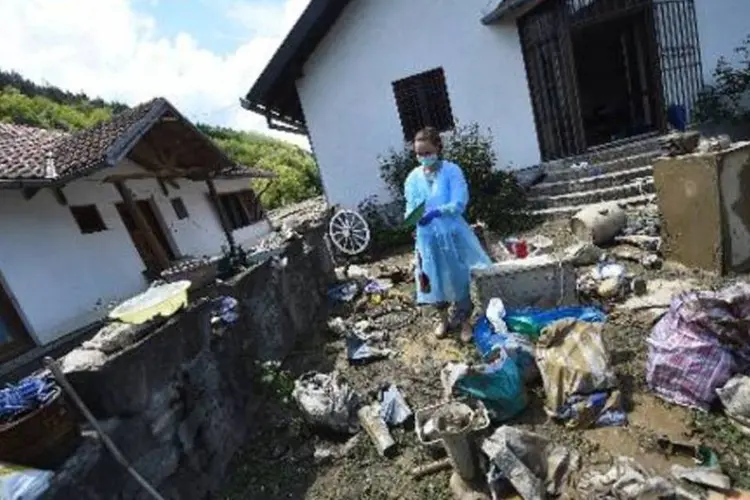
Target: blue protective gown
pixel 447 245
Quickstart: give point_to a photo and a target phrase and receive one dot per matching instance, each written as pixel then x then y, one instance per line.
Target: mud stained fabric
pixel 699 344
pixel 573 362
pixel 448 247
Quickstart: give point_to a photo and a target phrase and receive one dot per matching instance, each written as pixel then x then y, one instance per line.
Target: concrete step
pixel 616 178
pixel 568 173
pixel 637 187
pixel 569 210
pixel 607 153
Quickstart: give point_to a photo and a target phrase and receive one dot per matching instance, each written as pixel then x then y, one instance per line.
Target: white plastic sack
pixel 735 396
pixel 22 483
pixel 328 401
pixel 496 315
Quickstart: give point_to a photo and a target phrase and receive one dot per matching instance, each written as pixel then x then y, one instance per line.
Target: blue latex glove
pixel 429 217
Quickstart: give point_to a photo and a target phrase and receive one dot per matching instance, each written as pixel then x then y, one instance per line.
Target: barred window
pixel 422 101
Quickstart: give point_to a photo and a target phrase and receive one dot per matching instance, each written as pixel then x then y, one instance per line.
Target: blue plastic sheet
pixel 518 347
pixel 498 385
pixel 393 407
pixel 532 321
pixel 597 407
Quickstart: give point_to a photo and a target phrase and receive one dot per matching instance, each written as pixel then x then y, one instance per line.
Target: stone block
pixel 704 200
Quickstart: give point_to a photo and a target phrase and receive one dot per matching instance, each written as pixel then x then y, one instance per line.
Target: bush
pixel 726 100
pixel 496 198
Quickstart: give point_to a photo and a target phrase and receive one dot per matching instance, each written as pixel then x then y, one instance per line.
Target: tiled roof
pixel 26 152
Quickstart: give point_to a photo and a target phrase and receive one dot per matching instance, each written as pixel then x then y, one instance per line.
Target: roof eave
pixel 509 9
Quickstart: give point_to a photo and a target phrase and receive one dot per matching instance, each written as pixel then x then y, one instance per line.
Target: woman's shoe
pixel 443 324
pixel 466 333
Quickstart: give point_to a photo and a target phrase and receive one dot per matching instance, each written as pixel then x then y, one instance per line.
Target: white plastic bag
pixel 327 400
pixel 22 483
pixel 496 315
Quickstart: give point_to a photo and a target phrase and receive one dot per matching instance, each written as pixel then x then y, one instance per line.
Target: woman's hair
pixel 431 135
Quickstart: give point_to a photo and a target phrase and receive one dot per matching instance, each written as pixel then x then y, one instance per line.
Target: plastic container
pixel 481 420
pixel 163 300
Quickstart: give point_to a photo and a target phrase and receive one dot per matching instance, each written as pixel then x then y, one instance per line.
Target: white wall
pixel 63 280
pixel 348 100
pixel 722 26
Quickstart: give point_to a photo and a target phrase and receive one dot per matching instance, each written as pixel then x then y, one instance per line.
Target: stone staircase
pixel 621 173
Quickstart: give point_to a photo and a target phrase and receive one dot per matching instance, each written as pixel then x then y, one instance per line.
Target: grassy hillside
pixel 24 102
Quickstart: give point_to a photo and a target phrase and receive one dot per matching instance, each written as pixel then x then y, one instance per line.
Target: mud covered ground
pixel 285 459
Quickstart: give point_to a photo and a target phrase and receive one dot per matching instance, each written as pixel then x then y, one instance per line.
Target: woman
pixel 446 247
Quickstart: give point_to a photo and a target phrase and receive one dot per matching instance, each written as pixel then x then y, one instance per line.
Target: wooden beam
pixel 29 193
pixel 222 215
pixel 60 196
pixel 143 226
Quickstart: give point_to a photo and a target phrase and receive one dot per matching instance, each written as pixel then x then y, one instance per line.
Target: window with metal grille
pixel 422 101
pixel 180 210
pixel 242 208
pixel 88 218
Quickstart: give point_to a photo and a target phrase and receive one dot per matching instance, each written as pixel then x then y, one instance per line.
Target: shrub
pixel 496 197
pixel 726 100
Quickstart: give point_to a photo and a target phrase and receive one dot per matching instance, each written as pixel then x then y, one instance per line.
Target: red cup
pixel 521 249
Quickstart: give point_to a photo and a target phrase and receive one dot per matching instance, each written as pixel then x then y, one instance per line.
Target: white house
pixel 550 78
pixel 88 218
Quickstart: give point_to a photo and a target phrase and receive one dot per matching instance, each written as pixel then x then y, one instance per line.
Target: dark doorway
pixel 141 241
pixel 14 339
pixel 617 87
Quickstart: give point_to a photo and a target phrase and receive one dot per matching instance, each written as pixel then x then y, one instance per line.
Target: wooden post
pixel 140 221
pixel 222 215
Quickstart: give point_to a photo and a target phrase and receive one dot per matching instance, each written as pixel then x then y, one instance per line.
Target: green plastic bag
pixel 416 214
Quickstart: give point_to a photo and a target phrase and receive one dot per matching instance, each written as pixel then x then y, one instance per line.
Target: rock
pixel 598 224
pixel 584 254
pixel 80 360
pixel 652 261
pixel 609 288
pixel 639 286
pixel 680 143
pixel 642 241
pixel 357 272
pixel 628 253
pixel 714 144
pixel 463 491
pixel 115 337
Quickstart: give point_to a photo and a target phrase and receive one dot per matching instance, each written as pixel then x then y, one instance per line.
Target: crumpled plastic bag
pixel 536 467
pixel 487 340
pixel 625 480
pixel 573 363
pixel 531 321
pixel 23 483
pixel 497 384
pixel 328 401
pixel 735 396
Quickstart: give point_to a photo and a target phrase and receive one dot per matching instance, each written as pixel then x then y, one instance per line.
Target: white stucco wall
pixel 347 96
pixel 722 26
pixel 62 279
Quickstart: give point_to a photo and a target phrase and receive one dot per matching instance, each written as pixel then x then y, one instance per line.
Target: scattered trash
pixel 376 428
pixel 700 343
pixel 584 254
pixel 531 321
pixel 25 396
pixel 625 480
pixel 23 483
pixel 453 426
pixel 735 396
pixel 652 261
pixel 225 310
pixel 714 144
pixel 498 384
pixel 359 350
pixel 578 379
pixel 518 347
pixel 642 241
pixel 707 477
pixel 357 272
pixel 702 455
pixel 393 407
pixel 327 400
pixel 426 420
pixel 496 315
pixel 344 292
pixel 517 248
pixel 431 468
pixel 540 244
pixel 598 224
pixel 535 466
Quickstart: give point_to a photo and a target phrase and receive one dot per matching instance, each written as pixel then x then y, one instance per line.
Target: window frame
pixel 242 208
pixel 81 214
pixel 423 100
pixel 179 208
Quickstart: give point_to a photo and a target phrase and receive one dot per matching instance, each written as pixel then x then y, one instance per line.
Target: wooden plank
pixel 143 226
pixel 222 215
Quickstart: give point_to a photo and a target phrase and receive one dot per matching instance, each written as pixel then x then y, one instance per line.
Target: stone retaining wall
pixel 178 396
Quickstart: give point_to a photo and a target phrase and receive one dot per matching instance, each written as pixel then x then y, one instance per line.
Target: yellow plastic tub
pixel 162 300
